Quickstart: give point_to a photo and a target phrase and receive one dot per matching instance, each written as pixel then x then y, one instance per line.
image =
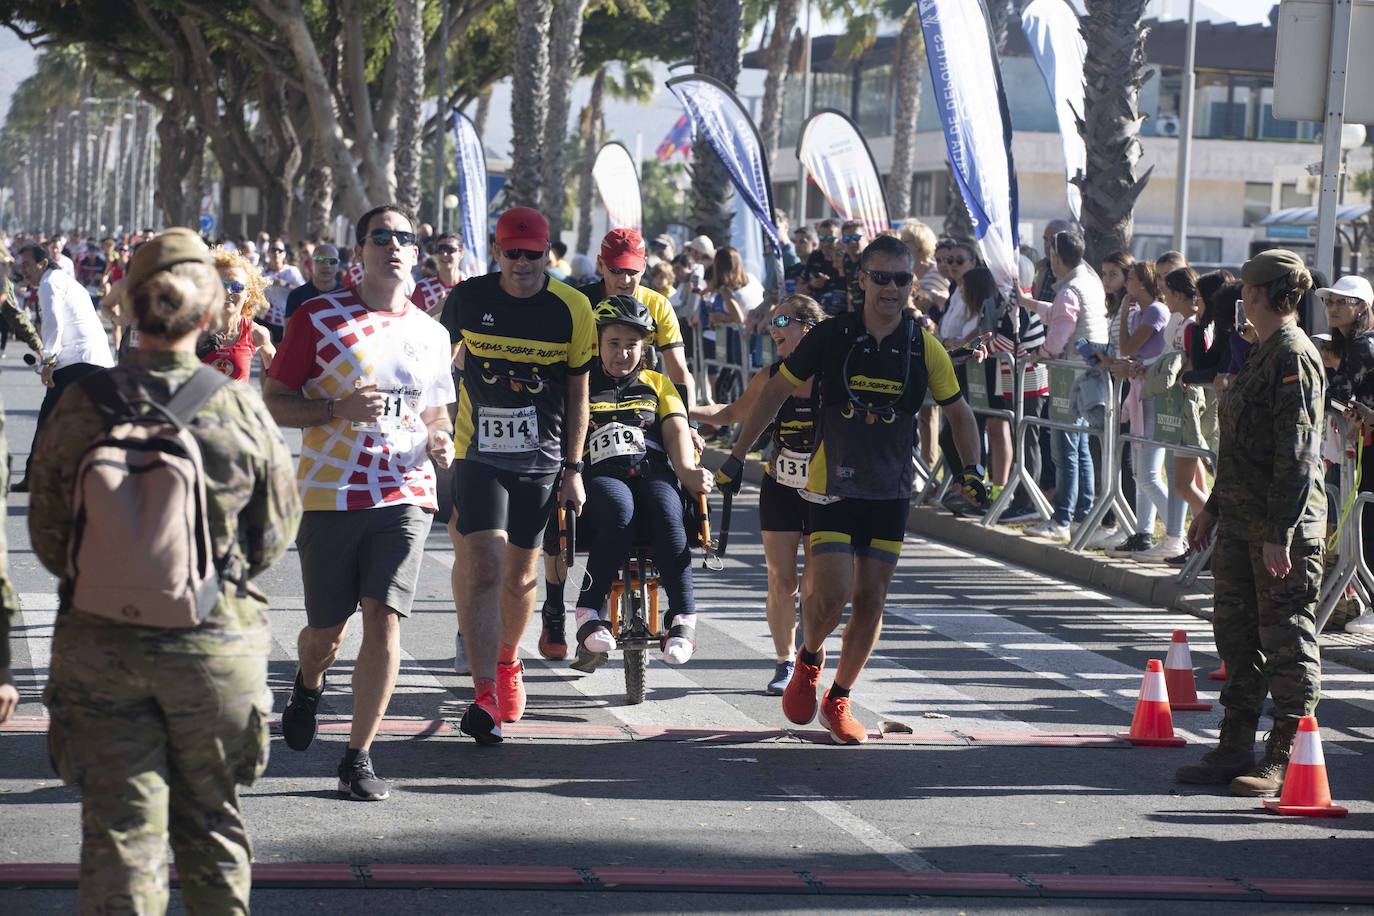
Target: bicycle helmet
pixel 625 310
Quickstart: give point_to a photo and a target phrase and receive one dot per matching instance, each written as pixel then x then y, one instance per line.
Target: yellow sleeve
pixel 944 385
pixel 669 332
pixel 669 402
pixel 582 346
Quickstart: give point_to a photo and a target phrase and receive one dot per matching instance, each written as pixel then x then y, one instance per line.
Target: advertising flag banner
pixel 1051 28
pixel 967 83
pixel 617 182
pixel 839 162
pixel 677 140
pixel 472 188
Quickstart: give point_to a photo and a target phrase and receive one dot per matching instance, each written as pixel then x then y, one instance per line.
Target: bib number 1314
pixel 507 430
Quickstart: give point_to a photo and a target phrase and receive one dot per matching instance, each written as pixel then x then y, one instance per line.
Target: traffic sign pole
pixel 1342 12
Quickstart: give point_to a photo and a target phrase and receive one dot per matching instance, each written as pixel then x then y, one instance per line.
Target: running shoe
pixel 843 727
pixel 1161 552
pixel 1133 545
pixel 460 656
pixel 799 696
pixel 1104 538
pixel 587 661
pixel 510 690
pixel 360 781
pixel 1015 515
pixel 782 674
pixel 1051 530
pixel 482 720
pixel 553 641
pixel 298 725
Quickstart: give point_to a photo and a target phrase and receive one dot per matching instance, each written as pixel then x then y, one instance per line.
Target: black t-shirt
pixel 300 296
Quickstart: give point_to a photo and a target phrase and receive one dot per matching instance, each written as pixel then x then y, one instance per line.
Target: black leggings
pixel 616 511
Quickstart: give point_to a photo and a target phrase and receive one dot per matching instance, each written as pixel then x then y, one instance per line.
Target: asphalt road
pixel 1011 684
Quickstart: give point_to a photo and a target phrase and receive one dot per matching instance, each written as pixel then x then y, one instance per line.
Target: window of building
pixel 929 193
pixel 1291 196
pixel 1202 249
pixel 830 90
pixel 875 101
pixel 1258 201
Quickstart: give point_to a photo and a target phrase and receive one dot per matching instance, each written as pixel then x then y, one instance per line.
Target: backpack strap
pixel 194 392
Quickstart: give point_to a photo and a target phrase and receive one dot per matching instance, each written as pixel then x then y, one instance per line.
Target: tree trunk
pixel 565 60
pixel 83 171
pixel 65 210
pixel 779 43
pixel 718 36
pixel 1113 71
pixel 319 195
pixel 591 144
pixel 479 120
pixel 409 51
pixel 529 100
pixel 909 63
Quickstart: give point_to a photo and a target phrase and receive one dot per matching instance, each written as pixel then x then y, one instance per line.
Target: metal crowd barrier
pixel 1350 565
pixel 702 367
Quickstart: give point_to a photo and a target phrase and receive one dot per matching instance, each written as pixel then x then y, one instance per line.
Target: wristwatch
pixel 575 465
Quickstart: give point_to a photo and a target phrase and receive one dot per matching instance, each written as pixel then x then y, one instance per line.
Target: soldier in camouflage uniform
pixel 1268 509
pixel 159 726
pixel 16 317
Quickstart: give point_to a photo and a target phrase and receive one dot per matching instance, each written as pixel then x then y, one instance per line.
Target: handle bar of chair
pixel 567 533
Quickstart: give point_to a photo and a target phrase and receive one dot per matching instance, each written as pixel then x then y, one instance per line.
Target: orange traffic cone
pixel 1219 674
pixel 1153 724
pixel 1178 676
pixel 1306 793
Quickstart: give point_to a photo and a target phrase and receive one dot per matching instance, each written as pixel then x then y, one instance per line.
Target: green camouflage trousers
pixel 1266 628
pixel 159 744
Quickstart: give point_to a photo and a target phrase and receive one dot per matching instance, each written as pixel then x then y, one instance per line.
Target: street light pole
pixel 441 122
pixel 1185 137
pixel 1341 13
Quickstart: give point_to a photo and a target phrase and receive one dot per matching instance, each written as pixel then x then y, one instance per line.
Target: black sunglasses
pixel 384 237
pixel 624 271
pixel 884 277
pixel 446 249
pixel 954 262
pixel 827 238
pixel 515 254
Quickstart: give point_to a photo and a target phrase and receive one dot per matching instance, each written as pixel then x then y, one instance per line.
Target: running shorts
pixel 782 508
pixel 868 527
pixel 363 553
pixel 487 498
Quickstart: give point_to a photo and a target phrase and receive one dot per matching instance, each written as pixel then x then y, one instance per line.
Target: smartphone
pixel 1087 351
pixel 1240 314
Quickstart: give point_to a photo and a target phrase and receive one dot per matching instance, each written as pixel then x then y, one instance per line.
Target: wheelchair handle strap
pixel 728 499
pixel 567 533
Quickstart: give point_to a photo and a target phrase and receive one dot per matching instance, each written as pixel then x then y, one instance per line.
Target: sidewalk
pixel 1152 586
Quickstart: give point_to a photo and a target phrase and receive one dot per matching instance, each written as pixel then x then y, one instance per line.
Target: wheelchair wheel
pixel 636 675
pixel 632 612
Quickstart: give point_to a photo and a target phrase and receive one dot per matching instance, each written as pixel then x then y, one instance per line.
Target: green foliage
pixel 663 201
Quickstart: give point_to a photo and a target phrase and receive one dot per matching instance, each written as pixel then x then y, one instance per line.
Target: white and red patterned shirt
pixel 429 295
pixel 334 343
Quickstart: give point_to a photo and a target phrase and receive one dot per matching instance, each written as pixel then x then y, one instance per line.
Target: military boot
pixel 1233 756
pixel 1266 778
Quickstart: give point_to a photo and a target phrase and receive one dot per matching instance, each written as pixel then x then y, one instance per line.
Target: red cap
pixel 623 248
pixel 522 227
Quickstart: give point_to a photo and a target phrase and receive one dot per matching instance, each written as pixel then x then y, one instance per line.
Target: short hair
pixel 806 231
pixel 366 219
pixel 1069 246
pixel 919 237
pixel 828 221
pixel 849 224
pixel 885 246
pixel 35 251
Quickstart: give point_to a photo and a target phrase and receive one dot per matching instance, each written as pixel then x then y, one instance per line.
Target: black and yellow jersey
pixel 668 333
pixel 625 433
pixel 512 393
pixel 794 428
pixel 871 392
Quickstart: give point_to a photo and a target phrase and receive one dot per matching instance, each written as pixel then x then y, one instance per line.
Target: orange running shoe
pixel 799 699
pixel 844 728
pixel 510 690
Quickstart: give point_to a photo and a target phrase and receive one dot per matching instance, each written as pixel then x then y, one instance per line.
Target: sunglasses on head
pixel 782 321
pixel 884 277
pixel 851 238
pixel 321 259
pixel 233 287
pixel 515 254
pixel 826 238
pixel 624 271
pixel 403 237
pixel 446 250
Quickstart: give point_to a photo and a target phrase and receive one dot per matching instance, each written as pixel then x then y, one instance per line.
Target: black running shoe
pixel 553 640
pixel 482 721
pixel 298 724
pixel 359 781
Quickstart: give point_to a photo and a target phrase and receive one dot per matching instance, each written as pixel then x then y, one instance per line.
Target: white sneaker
pixel 1104 538
pixel 1050 530
pixel 1161 553
pixel 460 656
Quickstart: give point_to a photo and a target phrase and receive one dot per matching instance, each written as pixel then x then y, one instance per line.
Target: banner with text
pixel 840 163
pixel 472 189
pixel 1051 28
pixel 967 84
pixel 617 183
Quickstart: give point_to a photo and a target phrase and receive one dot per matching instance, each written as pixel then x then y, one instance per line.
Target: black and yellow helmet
pixel 625 310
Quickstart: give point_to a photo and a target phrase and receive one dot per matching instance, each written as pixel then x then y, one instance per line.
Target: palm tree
pixel 1113 71
pixel 779 43
pixel 908 65
pixel 409 50
pixel 719 30
pixel 565 61
pixel 529 103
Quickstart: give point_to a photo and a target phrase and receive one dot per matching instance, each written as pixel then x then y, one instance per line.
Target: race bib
pixel 615 440
pixel 507 429
pixel 790 468
pixel 400 411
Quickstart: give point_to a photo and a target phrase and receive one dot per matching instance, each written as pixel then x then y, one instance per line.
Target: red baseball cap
pixel 522 227
pixel 623 248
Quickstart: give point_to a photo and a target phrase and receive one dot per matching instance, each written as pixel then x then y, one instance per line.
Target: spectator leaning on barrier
pixel 1268 513
pixel 1077 312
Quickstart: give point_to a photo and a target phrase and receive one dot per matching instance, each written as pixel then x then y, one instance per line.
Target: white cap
pixel 1352 286
pixel 704 245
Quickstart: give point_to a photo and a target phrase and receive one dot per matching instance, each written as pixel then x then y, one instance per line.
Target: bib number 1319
pixel 507 430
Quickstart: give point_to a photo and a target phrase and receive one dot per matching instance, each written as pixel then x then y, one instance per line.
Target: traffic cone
pixel 1178 676
pixel 1306 793
pixel 1153 724
pixel 1219 674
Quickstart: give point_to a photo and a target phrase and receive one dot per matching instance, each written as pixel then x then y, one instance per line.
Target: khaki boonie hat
pixel 177 245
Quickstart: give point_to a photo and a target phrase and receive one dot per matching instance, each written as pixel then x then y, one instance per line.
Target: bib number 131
pixel 507 430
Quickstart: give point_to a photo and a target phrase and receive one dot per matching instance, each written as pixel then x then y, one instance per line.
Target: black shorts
pixel 871 528
pixel 487 498
pixel 782 508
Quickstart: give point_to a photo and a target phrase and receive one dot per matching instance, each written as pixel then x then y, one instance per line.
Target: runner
pixel 367 376
pixel 281 279
pixel 431 292
pixel 637 441
pixel 783 510
pixel 522 407
pixel 874 368
pixel 237 337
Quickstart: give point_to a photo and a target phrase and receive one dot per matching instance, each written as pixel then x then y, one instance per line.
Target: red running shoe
pixel 844 728
pixel 799 699
pixel 510 690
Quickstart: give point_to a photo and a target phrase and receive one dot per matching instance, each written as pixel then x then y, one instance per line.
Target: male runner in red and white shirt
pixel 430 292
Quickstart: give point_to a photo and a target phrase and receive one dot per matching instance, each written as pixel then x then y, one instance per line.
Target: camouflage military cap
pixel 177 245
